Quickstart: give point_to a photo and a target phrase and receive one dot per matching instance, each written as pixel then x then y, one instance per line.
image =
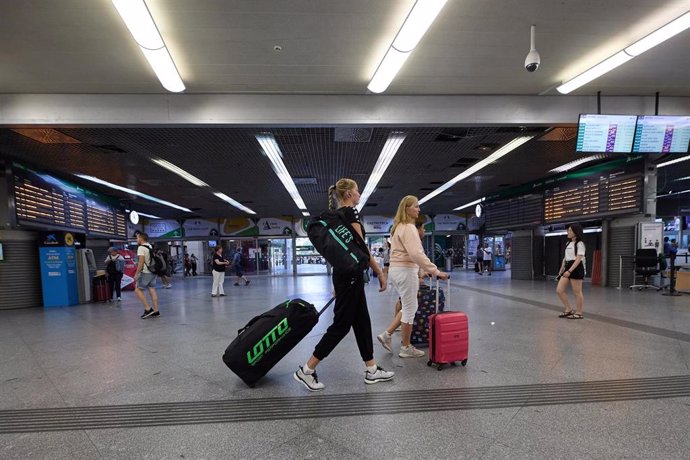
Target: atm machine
pixel 86 270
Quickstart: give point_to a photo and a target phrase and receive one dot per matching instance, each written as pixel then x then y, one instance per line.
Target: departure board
pixel 605 133
pixel 42 200
pixel 662 134
pixel 595 197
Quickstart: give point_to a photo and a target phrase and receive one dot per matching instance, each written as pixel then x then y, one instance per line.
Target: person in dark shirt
pixel 219 263
pixel 351 310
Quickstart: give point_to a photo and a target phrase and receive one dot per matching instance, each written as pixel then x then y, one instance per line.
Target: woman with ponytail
pixel 350 310
pixel 572 273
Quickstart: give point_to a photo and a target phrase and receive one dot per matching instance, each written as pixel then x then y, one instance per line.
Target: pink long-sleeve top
pixel 407 250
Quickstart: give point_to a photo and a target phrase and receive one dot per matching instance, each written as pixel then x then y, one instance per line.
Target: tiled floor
pixel 104 355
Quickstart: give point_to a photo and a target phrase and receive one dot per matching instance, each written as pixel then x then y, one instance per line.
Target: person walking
pixel 146 280
pixel 193 260
pixel 572 273
pixel 487 258
pixel 237 265
pixel 114 267
pixel 407 257
pixel 350 310
pixel 219 263
pixel 479 264
pixel 165 278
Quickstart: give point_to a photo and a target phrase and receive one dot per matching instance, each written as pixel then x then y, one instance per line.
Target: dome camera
pixel 533 59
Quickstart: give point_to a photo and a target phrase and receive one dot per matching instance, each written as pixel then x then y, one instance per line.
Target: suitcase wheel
pixel 429 363
pixel 463 362
pixel 440 367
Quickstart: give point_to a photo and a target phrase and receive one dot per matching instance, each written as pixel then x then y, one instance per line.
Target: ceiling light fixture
pixel 306 213
pixel 271 149
pixel 139 21
pixel 506 149
pixel 650 41
pixel 234 203
pixel 672 162
pixel 150 216
pixel 132 192
pixel 390 148
pixel 471 203
pixel 575 163
pixel 681 179
pixel 418 21
pixel 180 172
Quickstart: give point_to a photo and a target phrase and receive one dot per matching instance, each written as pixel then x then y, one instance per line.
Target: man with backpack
pixel 145 276
pixel 114 267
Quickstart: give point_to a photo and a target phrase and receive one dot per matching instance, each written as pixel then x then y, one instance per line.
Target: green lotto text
pixel 264 345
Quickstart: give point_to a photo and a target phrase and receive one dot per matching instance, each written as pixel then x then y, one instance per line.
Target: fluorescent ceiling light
pixel 471 203
pixel 306 213
pixel 595 72
pixel 658 36
pixel 575 163
pixel 139 21
pixel 418 21
pixel 132 192
pixel 681 179
pixel 144 214
pixel 672 162
pixel 236 204
pixel 180 172
pixel 272 150
pixel 506 149
pixel 672 193
pixel 390 148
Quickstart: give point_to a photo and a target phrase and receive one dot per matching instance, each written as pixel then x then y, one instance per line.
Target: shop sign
pixel 200 227
pixel 239 226
pixel 163 229
pixel 273 226
pixel 450 223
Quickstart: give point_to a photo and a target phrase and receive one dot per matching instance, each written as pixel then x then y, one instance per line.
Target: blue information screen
pixel 662 134
pixel 605 133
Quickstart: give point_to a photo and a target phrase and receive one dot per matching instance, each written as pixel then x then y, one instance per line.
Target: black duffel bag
pixel 268 337
pixel 335 239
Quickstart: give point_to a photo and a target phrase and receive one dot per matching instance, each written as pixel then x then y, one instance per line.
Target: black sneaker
pixel 237 284
pixel 247 283
pixel 147 314
pixel 155 314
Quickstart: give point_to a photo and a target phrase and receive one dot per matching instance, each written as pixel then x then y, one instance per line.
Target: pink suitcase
pixel 448 337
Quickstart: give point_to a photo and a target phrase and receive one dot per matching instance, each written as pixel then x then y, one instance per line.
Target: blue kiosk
pixel 58 257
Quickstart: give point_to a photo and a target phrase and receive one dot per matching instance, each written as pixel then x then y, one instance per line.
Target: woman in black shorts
pixel 572 272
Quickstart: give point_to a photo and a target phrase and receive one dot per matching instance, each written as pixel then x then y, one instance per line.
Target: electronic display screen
pixel 605 133
pixel 662 134
pixel 42 200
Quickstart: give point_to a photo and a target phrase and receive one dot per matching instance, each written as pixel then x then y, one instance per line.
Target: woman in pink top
pixel 407 257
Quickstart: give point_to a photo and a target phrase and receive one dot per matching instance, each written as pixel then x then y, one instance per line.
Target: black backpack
pixel 157 265
pixel 111 268
pixel 335 239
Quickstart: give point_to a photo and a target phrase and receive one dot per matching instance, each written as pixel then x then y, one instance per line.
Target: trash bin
pixel 449 264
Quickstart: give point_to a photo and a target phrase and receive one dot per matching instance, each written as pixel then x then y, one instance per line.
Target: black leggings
pixel 115 283
pixel 350 312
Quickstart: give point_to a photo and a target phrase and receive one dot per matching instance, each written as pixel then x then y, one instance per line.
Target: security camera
pixel 533 59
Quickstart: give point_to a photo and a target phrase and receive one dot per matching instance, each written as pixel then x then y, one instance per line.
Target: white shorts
pixel 406 282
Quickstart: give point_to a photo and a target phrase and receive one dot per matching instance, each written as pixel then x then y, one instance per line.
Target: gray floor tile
pixel 66 445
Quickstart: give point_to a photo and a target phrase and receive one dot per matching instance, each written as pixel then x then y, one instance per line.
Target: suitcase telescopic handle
pixel 438 286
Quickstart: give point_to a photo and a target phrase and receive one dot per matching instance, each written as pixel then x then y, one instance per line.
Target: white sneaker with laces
pixel 380 375
pixel 385 340
pixel 308 380
pixel 410 352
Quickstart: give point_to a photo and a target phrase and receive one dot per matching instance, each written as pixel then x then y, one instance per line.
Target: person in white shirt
pixel 572 273
pixel 145 278
pixel 487 258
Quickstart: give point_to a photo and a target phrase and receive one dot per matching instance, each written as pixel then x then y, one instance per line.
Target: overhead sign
pixel 377 224
pixel 163 229
pixel 200 228
pixel 449 223
pixel 274 226
pixel 239 226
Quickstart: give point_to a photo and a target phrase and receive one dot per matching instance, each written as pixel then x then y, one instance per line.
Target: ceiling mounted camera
pixel 533 59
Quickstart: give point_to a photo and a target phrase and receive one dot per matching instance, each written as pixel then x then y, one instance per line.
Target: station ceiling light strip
pixel 672 162
pixel 150 216
pixel 506 149
pixel 660 35
pixel 390 148
pixel 471 203
pixel 234 203
pixel 132 192
pixel 575 163
pixel 418 21
pixel 271 149
pixel 141 25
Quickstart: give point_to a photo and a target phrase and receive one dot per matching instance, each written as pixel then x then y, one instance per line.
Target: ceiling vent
pixel 453 135
pixel 352 134
pixel 384 187
pixel 370 205
pixel 304 180
pixel 426 189
pixel 109 148
pixel 464 163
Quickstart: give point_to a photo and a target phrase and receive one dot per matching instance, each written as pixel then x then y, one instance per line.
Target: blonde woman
pixel 407 258
pixel 350 310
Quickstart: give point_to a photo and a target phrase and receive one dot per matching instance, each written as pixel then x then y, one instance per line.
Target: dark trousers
pixel 115 283
pixel 350 312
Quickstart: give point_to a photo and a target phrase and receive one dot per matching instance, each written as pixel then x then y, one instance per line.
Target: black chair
pixel 646 265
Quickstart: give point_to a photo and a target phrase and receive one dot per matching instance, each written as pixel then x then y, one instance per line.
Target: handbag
pixel 335 239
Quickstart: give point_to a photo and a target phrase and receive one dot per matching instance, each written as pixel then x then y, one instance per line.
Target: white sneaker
pixel 385 340
pixel 380 375
pixel 410 352
pixel 308 380
pixel 168 286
